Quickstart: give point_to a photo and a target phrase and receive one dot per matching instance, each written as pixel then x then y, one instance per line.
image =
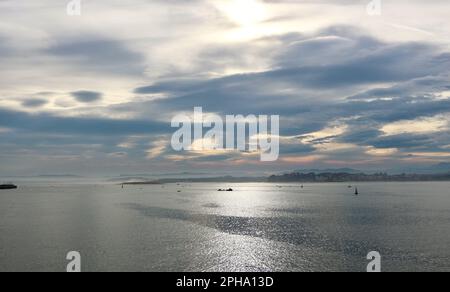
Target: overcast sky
pixel 94 94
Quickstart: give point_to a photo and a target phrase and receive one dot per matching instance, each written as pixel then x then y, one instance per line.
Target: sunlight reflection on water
pixel 258 227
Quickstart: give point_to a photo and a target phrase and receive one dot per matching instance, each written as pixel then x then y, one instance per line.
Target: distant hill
pixel 310 177
pixel 356 177
pixel 330 170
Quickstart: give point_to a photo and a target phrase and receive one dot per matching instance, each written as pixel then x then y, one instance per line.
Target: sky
pixel 94 94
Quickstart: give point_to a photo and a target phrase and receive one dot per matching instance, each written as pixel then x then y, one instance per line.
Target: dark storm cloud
pixel 401 141
pixel 333 58
pixel 343 62
pixel 359 135
pixel 364 130
pixel 386 111
pixel 338 74
pixel 337 60
pixel 87 96
pixel 420 86
pixel 46 123
pixel 297 148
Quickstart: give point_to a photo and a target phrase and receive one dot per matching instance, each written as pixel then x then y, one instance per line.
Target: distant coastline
pixel 306 178
pixel 357 177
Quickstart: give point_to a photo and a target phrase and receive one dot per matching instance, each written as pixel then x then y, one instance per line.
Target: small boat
pixel 8 187
pixel 228 190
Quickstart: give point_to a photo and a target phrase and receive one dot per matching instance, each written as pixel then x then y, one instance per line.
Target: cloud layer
pixel 80 93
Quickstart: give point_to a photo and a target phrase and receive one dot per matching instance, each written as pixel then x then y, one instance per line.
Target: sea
pixel 191 227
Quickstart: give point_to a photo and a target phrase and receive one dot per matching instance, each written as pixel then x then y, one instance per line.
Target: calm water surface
pixel 259 227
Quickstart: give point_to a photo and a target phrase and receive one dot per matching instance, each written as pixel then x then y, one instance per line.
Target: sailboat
pixel 356 192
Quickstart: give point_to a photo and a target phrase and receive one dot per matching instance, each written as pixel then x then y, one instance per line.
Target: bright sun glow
pixel 244 12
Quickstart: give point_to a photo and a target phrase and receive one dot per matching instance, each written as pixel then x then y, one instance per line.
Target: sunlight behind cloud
pixel 381 152
pixel 158 149
pixel 325 135
pixel 249 16
pixel 349 88
pixel 424 125
pixel 243 12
